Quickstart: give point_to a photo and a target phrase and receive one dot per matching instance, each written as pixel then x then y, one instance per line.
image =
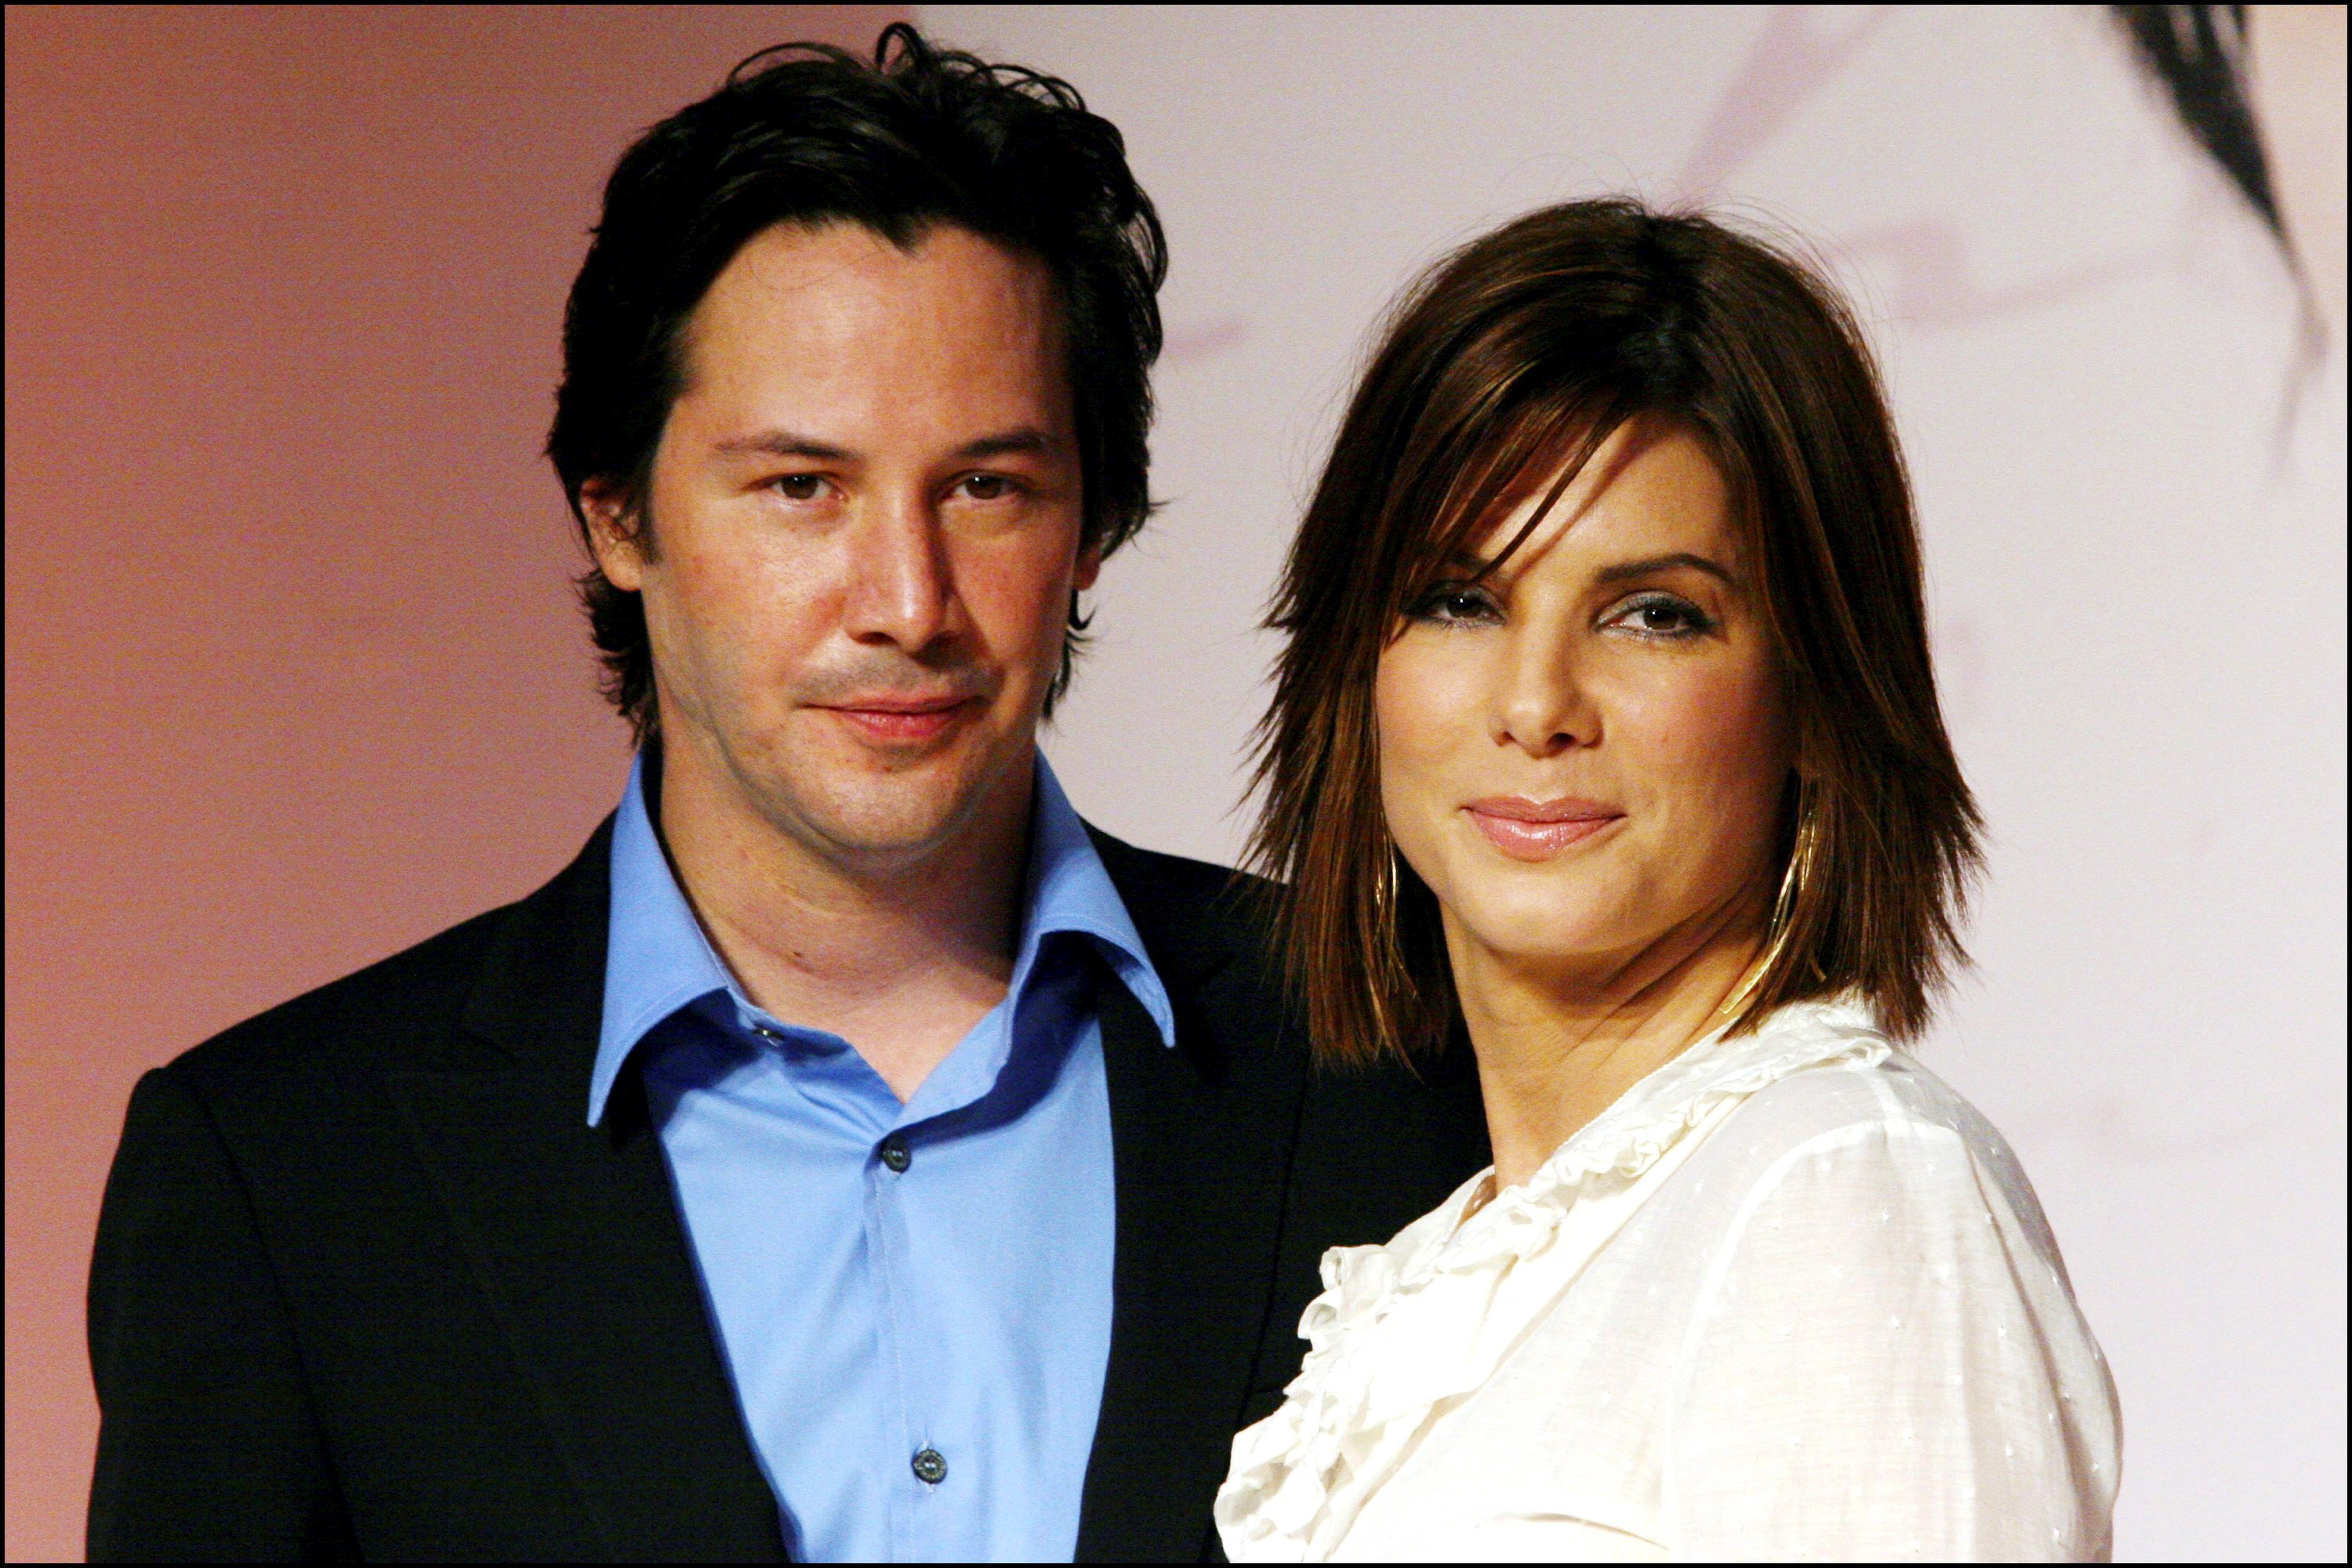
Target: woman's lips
pixel 1534 830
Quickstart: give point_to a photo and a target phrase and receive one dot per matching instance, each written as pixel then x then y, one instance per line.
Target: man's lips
pixel 1537 829
pixel 899 720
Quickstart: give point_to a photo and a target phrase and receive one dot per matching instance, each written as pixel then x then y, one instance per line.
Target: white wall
pixel 2134 512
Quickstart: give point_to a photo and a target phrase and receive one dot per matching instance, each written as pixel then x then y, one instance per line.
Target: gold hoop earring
pixel 1794 882
pixel 1384 914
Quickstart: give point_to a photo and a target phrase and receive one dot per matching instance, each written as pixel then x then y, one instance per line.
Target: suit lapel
pixel 573 1232
pixel 1201 1136
pixel 574 1235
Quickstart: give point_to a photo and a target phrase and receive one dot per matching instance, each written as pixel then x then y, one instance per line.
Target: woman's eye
pixel 1455 603
pixel 798 486
pixel 1663 615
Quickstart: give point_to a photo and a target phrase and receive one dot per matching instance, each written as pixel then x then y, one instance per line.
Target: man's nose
pixel 901 589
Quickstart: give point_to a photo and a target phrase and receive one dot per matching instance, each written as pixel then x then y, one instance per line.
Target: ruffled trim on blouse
pixel 1386 1346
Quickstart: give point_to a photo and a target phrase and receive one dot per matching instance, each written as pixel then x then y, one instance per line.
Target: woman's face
pixel 1584 753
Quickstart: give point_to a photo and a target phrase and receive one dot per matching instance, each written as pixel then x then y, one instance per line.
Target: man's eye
pixel 986 487
pixel 798 486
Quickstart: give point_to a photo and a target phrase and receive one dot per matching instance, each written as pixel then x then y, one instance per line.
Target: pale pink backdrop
pixel 2131 479
pixel 293 678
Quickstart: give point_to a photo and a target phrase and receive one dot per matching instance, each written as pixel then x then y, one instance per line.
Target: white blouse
pixel 1791 1297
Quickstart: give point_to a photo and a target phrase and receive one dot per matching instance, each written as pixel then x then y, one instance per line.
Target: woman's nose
pixel 1541 707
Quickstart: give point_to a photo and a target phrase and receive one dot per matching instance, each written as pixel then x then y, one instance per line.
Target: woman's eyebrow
pixel 1655 564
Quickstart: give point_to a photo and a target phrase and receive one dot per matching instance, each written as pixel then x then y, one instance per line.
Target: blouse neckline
pixel 1642 1123
pixel 1389 1337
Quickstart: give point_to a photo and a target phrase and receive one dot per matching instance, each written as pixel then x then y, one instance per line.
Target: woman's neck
pixel 1556 1049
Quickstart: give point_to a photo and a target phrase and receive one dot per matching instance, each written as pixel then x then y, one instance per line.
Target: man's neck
pixel 901 958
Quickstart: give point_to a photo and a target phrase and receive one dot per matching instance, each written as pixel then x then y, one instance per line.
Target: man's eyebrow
pixel 1654 563
pixel 1022 440
pixel 783 444
pixel 1026 441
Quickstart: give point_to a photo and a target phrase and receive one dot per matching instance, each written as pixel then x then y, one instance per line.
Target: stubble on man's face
pixel 867 509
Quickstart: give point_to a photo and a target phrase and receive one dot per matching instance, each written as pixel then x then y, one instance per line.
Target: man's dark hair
pixel 916 139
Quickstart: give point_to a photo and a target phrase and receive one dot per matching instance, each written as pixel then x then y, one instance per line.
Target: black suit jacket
pixel 367 1284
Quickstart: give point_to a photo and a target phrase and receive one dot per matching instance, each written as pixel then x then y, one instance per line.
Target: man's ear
pixel 1089 567
pixel 612 535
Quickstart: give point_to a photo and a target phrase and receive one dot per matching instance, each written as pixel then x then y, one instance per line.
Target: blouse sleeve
pixel 1886 1363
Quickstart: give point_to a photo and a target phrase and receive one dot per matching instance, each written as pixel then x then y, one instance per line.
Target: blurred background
pixel 294 677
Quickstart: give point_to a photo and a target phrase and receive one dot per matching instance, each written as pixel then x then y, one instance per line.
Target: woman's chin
pixel 1550 938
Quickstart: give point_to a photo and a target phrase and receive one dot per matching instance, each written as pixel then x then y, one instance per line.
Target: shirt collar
pixel 659 960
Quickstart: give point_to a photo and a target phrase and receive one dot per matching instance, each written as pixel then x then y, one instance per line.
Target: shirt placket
pixel 897 1327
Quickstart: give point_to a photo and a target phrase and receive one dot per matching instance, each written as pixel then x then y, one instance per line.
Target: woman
pixel 1606 736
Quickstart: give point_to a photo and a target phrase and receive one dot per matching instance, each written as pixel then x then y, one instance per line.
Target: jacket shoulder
pixel 1193 914
pixel 1173 877
pixel 362 1016
pixel 403 1010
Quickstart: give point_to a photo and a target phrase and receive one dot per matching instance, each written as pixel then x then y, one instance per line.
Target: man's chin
pixel 878 799
pixel 903 816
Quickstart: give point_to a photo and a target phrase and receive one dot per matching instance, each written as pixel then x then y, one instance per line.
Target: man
pixel 852 1154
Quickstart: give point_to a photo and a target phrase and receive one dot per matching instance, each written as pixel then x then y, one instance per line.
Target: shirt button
pixel 930 1468
pixel 895 1155
pixel 765 1032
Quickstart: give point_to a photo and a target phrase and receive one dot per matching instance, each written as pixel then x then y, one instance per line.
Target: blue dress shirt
pixel 914 1300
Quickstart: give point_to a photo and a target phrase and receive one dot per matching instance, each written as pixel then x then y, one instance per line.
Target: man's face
pixel 866 513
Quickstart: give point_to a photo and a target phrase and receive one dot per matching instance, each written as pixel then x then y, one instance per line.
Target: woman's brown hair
pixel 1506 367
